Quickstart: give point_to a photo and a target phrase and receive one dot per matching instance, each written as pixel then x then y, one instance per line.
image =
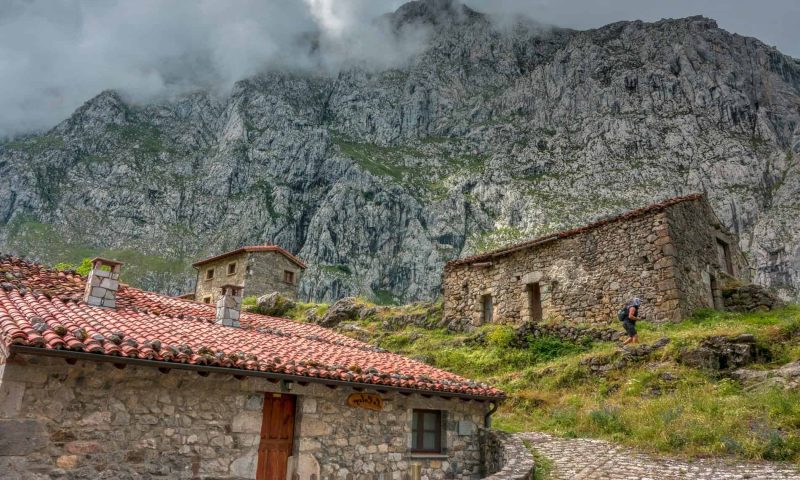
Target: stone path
pixel 586 459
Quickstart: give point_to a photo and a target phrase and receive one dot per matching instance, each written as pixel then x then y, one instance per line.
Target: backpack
pixel 623 313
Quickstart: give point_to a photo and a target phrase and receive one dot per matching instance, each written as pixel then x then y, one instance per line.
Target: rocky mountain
pixel 377 177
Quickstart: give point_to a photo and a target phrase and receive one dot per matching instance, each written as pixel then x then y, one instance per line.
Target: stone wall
pixel 211 288
pixel 92 420
pixel 259 272
pixel 693 255
pixel 266 275
pixel 505 456
pixel 665 257
pixel 585 278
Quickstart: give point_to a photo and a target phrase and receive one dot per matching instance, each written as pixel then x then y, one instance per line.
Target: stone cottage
pixel 258 269
pixel 101 380
pixel 674 255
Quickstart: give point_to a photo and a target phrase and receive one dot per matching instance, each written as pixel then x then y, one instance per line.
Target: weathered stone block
pixel 246 422
pixel 67 462
pixel 11 394
pixel 21 437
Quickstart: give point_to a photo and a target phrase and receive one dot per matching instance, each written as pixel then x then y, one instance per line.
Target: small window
pixel 426 431
pixel 232 268
pixel 288 276
pixel 209 274
pixel 206 299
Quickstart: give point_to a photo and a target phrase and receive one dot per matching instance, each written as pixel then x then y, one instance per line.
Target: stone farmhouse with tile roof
pixel 102 380
pixel 675 255
pixel 258 269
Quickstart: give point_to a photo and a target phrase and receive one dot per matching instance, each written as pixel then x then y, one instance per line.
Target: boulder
pixel 787 376
pixel 343 310
pixel 274 304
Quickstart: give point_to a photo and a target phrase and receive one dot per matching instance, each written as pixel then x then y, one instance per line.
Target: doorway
pixel 534 302
pixel 487 309
pixel 277 436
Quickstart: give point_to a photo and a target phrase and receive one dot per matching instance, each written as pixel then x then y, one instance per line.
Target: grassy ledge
pixel 657 404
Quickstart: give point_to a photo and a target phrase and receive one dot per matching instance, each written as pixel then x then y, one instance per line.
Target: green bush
pixel 83 269
pixel 607 420
pixel 500 336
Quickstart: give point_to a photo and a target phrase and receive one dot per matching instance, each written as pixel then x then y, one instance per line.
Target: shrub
pixel 607 420
pixel 500 336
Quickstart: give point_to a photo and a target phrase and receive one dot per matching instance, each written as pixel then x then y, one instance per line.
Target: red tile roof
pixel 253 248
pixel 43 308
pixel 656 207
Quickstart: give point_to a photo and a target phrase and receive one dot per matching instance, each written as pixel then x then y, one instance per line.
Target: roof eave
pixel 243 250
pixel 635 213
pixel 99 357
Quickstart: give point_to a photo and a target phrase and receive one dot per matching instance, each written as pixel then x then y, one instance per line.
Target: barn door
pixel 277 434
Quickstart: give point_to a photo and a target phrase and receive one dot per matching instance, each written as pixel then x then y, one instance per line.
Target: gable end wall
pixel 699 274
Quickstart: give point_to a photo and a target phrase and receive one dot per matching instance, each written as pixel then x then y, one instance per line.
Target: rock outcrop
pixel 750 298
pixel 274 304
pixel 377 177
pixel 724 353
pixel 787 376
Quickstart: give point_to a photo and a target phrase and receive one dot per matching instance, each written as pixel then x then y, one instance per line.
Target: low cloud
pixel 56 54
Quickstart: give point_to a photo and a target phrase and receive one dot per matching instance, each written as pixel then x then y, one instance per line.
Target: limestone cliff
pixel 377 177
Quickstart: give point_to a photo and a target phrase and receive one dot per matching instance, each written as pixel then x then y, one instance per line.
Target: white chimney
pixel 229 305
pixel 102 283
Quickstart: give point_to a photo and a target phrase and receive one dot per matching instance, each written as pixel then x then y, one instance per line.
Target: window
pixel 209 274
pixel 724 253
pixel 288 276
pixel 534 302
pixel 206 299
pixel 487 308
pixel 232 268
pixel 426 431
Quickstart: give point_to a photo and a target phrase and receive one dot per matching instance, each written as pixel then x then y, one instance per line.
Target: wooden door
pixel 277 437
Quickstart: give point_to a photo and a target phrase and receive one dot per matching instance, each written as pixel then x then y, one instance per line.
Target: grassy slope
pixel 657 404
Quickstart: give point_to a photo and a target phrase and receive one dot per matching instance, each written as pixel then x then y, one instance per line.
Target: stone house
pixel 148 386
pixel 258 269
pixel 674 255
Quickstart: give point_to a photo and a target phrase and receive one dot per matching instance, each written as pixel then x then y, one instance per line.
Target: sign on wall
pixel 368 401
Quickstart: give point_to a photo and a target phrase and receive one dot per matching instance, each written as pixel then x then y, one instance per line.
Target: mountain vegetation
pixel 376 176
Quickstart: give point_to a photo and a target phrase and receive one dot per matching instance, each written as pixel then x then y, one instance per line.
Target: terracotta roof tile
pixel 43 308
pixel 253 248
pixel 574 231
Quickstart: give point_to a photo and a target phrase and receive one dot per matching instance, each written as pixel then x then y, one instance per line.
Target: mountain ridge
pixel 490 133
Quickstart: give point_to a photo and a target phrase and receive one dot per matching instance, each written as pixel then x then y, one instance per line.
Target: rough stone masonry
pixel 674 255
pixel 92 420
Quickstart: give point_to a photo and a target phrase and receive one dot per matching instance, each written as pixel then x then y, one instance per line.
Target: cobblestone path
pixel 585 459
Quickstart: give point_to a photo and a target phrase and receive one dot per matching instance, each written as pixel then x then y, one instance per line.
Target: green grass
pixel 422 171
pixel 37 144
pixel 27 236
pixel 657 404
pixel 143 137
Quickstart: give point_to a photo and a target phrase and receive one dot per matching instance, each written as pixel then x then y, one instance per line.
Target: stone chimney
pixel 229 305
pixel 102 283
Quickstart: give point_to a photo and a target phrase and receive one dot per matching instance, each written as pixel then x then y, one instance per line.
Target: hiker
pixel 629 315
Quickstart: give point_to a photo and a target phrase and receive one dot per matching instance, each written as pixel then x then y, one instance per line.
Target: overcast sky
pixel 56 54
